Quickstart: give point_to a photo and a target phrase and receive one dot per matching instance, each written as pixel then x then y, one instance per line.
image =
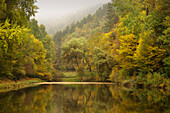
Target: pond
pixel 84 99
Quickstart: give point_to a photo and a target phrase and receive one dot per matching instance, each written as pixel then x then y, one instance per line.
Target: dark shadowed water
pixel 84 99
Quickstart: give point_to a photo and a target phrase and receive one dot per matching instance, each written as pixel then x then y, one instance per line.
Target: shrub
pixel 167 67
pixel 127 83
pixel 45 76
pixel 89 77
pixel 156 80
pixel 115 77
pixel 57 75
pixel 80 73
pixel 151 80
pixel 126 73
pixel 18 73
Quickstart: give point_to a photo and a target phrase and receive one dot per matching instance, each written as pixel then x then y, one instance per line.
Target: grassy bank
pixel 70 77
pixel 73 76
pixel 8 85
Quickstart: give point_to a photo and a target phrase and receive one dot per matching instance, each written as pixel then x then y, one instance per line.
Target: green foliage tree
pixel 33 25
pixel 74 51
pixel 38 31
pixel 48 45
pixel 111 17
pixel 103 63
pixel 11 40
pixel 43 32
pixel 17 11
pixel 21 53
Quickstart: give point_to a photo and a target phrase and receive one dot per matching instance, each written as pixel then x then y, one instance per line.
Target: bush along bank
pixel 150 80
pixel 8 85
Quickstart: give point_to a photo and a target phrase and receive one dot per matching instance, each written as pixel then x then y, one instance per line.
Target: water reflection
pixel 84 99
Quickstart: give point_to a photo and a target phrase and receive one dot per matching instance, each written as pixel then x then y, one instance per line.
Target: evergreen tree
pixel 111 18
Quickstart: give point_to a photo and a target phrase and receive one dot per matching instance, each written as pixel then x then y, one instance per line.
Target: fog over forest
pixel 55 13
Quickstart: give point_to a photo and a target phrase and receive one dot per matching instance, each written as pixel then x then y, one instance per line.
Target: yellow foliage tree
pixel 126 52
pixel 148 55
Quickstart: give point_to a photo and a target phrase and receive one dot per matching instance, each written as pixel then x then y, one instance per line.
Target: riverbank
pixel 78 83
pixel 8 85
pixel 153 81
pixel 72 76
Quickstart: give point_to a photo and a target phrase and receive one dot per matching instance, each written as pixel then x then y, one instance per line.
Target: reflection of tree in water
pixel 29 100
pixel 83 99
pixel 88 99
pixel 103 99
pixel 77 99
pixel 140 101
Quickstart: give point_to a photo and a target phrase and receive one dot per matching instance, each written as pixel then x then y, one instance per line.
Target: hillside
pixel 86 27
pixel 119 42
pixel 58 24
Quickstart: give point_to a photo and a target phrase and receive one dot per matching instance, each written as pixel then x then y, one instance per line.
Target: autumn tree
pixel 73 51
pixel 17 11
pixel 103 63
pixel 19 49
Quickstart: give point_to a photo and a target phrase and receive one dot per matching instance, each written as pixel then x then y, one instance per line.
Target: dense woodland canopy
pixel 25 47
pixel 123 40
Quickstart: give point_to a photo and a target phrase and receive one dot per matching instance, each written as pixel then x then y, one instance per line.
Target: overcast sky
pixel 59 8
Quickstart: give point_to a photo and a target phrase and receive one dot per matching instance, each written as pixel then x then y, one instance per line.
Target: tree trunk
pixel 88 64
pixel 77 63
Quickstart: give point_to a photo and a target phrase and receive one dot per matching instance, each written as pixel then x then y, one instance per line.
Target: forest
pixel 125 41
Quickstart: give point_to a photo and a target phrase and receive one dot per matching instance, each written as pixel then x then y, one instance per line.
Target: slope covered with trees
pixel 60 23
pixel 84 28
pixel 124 40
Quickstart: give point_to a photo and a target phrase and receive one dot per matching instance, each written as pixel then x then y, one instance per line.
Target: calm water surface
pixel 84 99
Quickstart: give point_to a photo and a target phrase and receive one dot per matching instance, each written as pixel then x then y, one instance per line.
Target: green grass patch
pixel 74 77
pixel 70 77
pixel 70 74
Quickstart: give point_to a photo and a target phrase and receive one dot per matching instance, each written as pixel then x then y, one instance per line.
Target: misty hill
pixel 55 25
pixel 91 21
pixel 85 27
